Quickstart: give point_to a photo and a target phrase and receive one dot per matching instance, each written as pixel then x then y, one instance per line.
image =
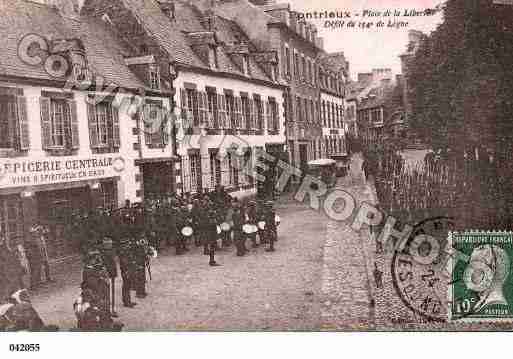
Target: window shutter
pixel 251 120
pixel 74 135
pixel 23 128
pixel 268 115
pixel 93 126
pixel 221 107
pixel 183 104
pixel 156 131
pixel 115 126
pixel 238 112
pixel 46 132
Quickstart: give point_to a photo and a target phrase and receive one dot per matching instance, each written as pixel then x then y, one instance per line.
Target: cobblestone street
pixel 261 291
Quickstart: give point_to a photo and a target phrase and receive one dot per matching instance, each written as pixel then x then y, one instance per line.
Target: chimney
pixel 67 8
pixel 167 7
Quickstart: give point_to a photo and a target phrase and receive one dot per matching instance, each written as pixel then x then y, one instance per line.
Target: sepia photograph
pixel 255 166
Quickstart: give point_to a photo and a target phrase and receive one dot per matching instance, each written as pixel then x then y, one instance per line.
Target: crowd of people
pixel 135 234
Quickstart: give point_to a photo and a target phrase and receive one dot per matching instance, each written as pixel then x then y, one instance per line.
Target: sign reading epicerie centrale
pixel 30 172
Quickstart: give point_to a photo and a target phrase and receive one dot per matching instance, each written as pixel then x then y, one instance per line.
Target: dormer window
pixel 212 57
pixel 245 65
pixel 154 76
pixel 79 66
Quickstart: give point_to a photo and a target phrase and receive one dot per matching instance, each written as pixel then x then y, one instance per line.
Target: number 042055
pixel 24 347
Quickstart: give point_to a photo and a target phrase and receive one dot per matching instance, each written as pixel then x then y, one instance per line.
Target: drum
pixel 225 227
pixel 247 228
pixel 187 231
pixel 218 229
pixel 277 219
pixel 254 228
pixel 261 225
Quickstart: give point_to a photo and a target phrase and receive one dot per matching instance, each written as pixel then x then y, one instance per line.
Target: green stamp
pixel 481 288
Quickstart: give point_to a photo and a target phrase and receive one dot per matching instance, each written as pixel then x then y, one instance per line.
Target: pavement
pixel 260 291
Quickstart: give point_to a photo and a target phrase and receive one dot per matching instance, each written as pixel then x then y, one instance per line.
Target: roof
pixel 377 97
pixel 102 49
pixel 172 35
pixel 354 88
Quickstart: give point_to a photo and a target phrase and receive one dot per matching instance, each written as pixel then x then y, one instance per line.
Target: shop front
pixel 157 177
pixel 52 191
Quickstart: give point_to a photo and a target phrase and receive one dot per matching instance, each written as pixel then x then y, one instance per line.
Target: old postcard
pixel 255 165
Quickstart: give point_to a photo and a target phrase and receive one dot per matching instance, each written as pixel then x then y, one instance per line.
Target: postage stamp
pixel 482 287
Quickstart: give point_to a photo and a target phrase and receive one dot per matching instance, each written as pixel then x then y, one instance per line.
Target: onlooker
pixel 11 270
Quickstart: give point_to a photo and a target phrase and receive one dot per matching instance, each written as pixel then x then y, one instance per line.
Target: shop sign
pixel 16 172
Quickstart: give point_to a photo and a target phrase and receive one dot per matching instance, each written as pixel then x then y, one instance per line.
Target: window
pixel 190 108
pixel 245 65
pixel 296 65
pixel 230 110
pixel 273 107
pixel 310 72
pixel 156 132
pixel 103 125
pixel 303 68
pixel 287 60
pixel 233 169
pixel 13 122
pixel 298 109
pixel 195 167
pixel 212 118
pixel 259 113
pixel 212 57
pixel 59 123
pixel 246 113
pixel 323 114
pixel 154 77
pixel 11 219
pixel 215 169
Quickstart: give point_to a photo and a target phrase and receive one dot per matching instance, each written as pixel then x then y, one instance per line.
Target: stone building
pixel 333 74
pixel 70 105
pixel 227 92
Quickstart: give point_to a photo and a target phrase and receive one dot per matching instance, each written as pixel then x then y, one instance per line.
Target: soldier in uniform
pixel 195 214
pixel 109 259
pixel 261 218
pixel 180 224
pixel 252 220
pixel 141 252
pixel 126 258
pixel 270 225
pixel 237 229
pixel 211 232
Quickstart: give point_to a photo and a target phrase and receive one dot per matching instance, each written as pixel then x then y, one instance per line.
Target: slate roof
pixel 378 96
pixel 104 52
pixel 171 34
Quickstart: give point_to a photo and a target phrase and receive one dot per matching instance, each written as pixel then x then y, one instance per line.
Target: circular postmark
pixel 419 269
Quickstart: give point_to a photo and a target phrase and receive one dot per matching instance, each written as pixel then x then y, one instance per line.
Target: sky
pixel 366 49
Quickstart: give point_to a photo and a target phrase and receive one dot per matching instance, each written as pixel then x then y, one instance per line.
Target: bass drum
pixel 261 225
pixel 247 228
pixel 218 229
pixel 187 231
pixel 225 227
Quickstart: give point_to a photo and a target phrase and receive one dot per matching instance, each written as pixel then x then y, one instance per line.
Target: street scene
pixel 237 165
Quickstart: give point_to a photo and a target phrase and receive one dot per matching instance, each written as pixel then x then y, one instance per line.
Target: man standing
pixel 270 225
pixel 38 256
pixel 211 232
pixel 141 252
pixel 108 256
pixel 126 263
pixel 237 230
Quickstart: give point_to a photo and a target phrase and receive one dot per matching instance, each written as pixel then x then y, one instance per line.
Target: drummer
pixel 252 221
pixel 261 222
pixel 270 225
pixel 238 237
pixel 181 223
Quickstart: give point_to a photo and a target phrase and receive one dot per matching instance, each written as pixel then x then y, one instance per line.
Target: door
pixel 55 209
pixel 157 179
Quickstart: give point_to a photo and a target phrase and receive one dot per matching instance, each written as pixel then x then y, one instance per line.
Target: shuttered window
pixel 221 111
pixel 59 123
pixel 155 125
pixel 238 113
pixel 259 113
pixel 246 113
pixel 230 111
pixel 273 124
pixel 103 120
pixel 212 116
pixel 13 122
